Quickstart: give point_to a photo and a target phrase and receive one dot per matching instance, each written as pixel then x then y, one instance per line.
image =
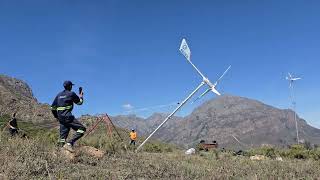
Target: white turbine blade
pixel 213 89
pixel 184 49
pixel 208 90
pixel 295 79
pixel 224 73
pixel 290 76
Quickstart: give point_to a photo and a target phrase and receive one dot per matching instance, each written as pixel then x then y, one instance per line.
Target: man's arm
pixel 54 107
pixel 13 123
pixel 77 99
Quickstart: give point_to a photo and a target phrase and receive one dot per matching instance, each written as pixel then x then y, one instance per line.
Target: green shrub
pixel 157 147
pixel 153 148
pixel 315 154
pixel 296 151
pixel 111 145
pixel 267 151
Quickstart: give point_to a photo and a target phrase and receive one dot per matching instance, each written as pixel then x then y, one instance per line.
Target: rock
pixel 190 151
pixel 68 155
pixel 91 151
pixel 2 176
pixel 258 158
pixel 279 159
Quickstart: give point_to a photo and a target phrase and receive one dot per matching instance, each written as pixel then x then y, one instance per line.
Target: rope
pixel 149 108
pixel 243 144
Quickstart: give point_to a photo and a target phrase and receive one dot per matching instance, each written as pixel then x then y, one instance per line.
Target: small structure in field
pixel 203 146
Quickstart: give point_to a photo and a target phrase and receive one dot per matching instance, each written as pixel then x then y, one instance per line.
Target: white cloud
pixel 127 107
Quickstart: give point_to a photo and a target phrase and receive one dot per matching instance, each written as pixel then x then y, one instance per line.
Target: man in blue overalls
pixel 62 110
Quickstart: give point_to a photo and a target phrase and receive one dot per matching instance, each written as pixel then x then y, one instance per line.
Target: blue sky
pixel 126 52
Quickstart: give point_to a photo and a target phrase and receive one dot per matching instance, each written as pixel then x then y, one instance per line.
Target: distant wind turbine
pixel 291 80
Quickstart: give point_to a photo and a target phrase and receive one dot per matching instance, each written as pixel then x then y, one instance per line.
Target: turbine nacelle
pixel 212 87
pixel 291 79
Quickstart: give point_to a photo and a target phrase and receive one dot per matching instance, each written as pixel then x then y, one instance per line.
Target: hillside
pixel 17 96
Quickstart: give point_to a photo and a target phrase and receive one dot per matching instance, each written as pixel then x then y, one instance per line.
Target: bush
pixel 156 147
pixel 315 154
pixel 296 151
pixel 267 151
pixel 111 145
pixel 153 148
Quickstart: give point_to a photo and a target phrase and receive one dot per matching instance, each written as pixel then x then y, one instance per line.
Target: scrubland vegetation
pixel 38 157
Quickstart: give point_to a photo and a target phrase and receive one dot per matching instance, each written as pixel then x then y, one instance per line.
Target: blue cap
pixel 67 83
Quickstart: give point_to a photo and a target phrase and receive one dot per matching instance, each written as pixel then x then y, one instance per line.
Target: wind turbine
pixel 215 84
pixel 184 49
pixel 291 80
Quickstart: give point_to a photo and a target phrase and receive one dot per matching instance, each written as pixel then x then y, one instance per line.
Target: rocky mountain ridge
pixel 231 120
pixel 16 96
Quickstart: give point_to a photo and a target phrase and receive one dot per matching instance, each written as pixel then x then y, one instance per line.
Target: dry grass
pixel 38 159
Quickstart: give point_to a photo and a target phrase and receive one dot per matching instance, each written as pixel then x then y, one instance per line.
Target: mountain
pixel 144 126
pixel 234 122
pixel 17 96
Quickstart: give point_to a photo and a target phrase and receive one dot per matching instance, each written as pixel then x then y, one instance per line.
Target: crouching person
pixel 13 126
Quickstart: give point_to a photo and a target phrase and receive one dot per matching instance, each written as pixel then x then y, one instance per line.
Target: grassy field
pixel 37 157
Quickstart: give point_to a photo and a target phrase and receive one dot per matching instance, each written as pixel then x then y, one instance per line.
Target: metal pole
pixel 169 117
pixel 294 112
pixel 295 118
pixel 114 127
pixel 199 72
pixel 94 127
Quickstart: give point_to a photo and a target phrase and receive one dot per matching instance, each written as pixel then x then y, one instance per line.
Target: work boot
pixel 68 147
pixel 60 144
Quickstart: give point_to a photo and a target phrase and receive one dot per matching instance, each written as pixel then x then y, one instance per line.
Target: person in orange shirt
pixel 133 137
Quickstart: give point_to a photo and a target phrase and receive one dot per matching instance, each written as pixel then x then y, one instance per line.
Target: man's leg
pixel 80 130
pixel 64 132
pixel 133 142
pixel 13 132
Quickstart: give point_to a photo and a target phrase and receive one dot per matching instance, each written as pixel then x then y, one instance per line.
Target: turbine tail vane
pixel 185 50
